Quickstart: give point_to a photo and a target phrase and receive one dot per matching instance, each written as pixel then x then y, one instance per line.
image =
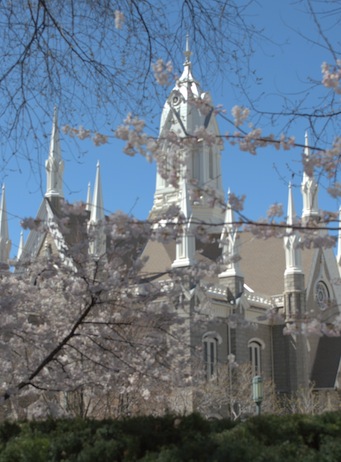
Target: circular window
pixel 322 295
pixel 176 98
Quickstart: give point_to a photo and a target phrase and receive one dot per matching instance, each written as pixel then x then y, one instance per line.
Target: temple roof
pixel 262 261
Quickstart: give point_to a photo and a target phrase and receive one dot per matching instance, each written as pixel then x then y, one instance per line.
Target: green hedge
pixel 171 439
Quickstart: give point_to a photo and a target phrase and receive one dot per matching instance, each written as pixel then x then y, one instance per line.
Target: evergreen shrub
pixel 174 439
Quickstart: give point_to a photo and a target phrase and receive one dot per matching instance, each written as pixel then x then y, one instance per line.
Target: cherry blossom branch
pixel 51 356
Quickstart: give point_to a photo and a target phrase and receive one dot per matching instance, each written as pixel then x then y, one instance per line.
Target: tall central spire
pixel 187 114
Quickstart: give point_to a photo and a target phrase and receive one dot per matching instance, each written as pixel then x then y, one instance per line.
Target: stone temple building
pixel 267 290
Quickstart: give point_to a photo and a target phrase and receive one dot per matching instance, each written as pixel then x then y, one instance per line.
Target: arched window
pixel 210 347
pixel 255 349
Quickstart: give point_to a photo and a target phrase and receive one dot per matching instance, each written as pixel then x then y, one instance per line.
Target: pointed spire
pixel 292 239
pixel 21 245
pixel 88 199
pixel 309 188
pixel 187 76
pixel 97 207
pixel 291 215
pixel 185 245
pixel 187 52
pixel 5 243
pixel 229 243
pixel 54 164
pixel 306 144
pixel 97 246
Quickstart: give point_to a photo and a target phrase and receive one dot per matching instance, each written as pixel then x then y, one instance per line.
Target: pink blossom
pixel 32 224
pixel 202 134
pixel 240 114
pixel 313 327
pixel 163 72
pixel 204 103
pixel 332 76
pixel 335 189
pixel 287 143
pixel 291 328
pixel 132 132
pixel 80 132
pixel 99 139
pixel 236 203
pixel 119 19
pixel 275 210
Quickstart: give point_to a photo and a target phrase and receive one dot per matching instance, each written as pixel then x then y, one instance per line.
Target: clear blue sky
pixel 284 63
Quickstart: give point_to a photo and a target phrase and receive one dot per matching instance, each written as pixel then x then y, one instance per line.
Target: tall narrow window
pixel 195 165
pixel 255 349
pixel 210 165
pixel 210 347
